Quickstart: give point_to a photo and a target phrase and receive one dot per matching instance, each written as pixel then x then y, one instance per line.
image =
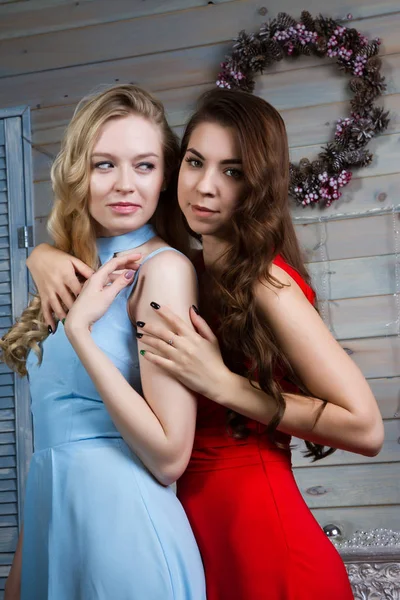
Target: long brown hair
pixel 262 228
pixel 70 225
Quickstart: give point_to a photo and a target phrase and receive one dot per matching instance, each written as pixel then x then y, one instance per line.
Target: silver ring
pixel 170 342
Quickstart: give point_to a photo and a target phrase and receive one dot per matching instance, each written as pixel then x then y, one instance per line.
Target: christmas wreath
pixel 320 180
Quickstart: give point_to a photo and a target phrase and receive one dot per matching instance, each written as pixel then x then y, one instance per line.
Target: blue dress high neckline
pixel 108 246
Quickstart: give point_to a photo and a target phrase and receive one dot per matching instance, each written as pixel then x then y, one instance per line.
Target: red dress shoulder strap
pixel 307 290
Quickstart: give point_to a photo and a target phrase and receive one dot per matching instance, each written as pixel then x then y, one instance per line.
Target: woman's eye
pixel 146 167
pixel 194 162
pixel 235 173
pixel 102 166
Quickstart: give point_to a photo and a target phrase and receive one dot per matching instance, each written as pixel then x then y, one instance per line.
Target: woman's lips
pixel 202 211
pixel 124 207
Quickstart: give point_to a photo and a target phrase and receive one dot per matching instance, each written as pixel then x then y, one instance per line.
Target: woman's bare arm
pixel 159 427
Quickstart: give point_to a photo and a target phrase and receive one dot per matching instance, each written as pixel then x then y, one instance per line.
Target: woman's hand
pixel 56 275
pixel 192 357
pixel 99 292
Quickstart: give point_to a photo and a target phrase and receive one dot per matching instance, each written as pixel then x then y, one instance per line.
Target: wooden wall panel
pixel 33 18
pixel 130 37
pixel 353 278
pixel 387 393
pixel 38 85
pixel 351 238
pixel 305 126
pixel 372 316
pixel 349 485
pixel 68 85
pixel 43 195
pixel 376 357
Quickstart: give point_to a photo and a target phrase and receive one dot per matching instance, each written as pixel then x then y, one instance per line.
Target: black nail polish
pixel 50 329
pixel 140 324
pixel 139 335
pixel 154 305
pixel 196 310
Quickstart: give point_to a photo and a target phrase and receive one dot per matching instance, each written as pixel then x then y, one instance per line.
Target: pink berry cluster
pixel 359 64
pixel 236 75
pixel 341 126
pixel 327 188
pixel 330 186
pixel 299 34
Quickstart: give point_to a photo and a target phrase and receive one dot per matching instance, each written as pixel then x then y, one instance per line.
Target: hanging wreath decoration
pixel 320 180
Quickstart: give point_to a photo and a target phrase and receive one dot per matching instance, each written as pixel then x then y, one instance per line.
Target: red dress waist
pixel 215 448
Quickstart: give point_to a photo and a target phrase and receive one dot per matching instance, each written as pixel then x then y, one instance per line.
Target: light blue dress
pixel 97 525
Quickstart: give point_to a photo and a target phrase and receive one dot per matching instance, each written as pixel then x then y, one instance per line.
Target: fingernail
pixel 139 335
pixel 154 305
pixel 129 274
pixel 63 321
pixel 140 324
pixel 196 310
pixel 142 352
pixel 50 329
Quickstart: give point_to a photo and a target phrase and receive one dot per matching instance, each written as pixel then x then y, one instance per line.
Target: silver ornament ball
pixel 332 531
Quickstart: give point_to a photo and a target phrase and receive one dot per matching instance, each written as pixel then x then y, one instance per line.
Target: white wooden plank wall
pixel 52 52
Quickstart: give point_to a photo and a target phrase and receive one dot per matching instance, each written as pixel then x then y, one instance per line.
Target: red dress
pixel 257 537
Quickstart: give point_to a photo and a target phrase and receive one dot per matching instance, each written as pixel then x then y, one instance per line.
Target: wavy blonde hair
pixel 70 225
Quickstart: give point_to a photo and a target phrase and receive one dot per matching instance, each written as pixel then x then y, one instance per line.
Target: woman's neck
pixel 213 250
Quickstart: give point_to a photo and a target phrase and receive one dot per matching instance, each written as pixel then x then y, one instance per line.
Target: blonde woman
pixel 111 432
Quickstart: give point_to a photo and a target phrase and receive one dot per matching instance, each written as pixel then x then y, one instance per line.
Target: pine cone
pixel 329 153
pixel 367 160
pixel 259 63
pixel 362 131
pixel 243 44
pixel 307 20
pixel 321 46
pixel 264 32
pixel 377 82
pixel 325 26
pixel 359 158
pixel 360 105
pixel 380 119
pixel 317 166
pixel 373 64
pixel 353 39
pixel 272 49
pixel 302 49
pixel 372 49
pixel 273 27
pixel 340 161
pixel 294 173
pixel 344 140
pixel 284 21
pixel 305 166
pixel 357 85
